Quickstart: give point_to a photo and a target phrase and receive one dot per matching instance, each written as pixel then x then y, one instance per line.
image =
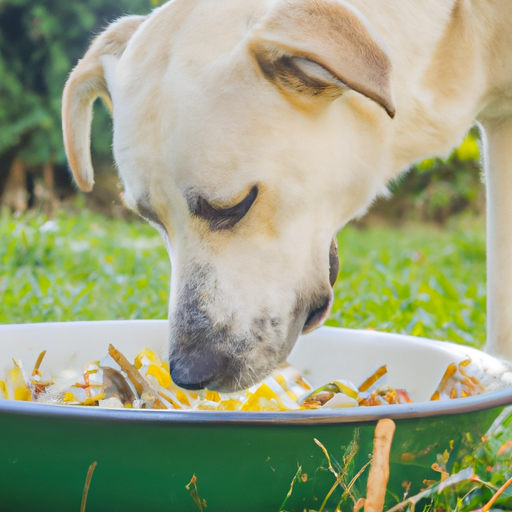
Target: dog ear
pixel 320 48
pixel 86 83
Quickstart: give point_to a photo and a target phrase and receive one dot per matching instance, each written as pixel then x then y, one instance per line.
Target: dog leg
pixel 498 160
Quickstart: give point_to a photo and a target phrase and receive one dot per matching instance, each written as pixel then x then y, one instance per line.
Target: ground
pixel 420 279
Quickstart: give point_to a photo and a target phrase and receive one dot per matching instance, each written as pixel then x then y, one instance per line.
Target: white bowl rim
pixel 491 400
pixel 494 399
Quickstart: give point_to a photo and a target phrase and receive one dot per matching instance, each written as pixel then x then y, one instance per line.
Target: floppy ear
pixel 86 83
pixel 320 48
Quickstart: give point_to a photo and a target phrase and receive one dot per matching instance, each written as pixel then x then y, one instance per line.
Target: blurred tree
pixel 436 189
pixel 39 44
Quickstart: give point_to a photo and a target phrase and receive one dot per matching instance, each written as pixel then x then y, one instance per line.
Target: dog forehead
pixel 196 30
pixel 185 88
pixel 201 142
pixel 197 114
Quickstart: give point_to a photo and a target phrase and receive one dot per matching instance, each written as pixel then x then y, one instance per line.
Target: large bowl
pixel 242 460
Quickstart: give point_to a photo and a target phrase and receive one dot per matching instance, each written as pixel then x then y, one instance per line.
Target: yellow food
pixel 114 382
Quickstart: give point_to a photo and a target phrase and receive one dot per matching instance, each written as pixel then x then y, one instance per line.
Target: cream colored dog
pixel 250 132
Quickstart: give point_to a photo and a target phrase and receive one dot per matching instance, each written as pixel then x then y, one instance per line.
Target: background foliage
pixel 40 42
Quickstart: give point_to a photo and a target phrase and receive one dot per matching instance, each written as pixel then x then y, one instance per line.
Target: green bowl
pixel 242 460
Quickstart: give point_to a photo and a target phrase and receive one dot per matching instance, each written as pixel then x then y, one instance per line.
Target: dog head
pixel 248 133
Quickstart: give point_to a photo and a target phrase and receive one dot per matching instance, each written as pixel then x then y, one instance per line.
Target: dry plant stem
pixel 88 479
pixel 359 505
pixel 38 363
pixel 297 475
pixel 379 470
pixel 347 488
pixel 134 375
pixel 194 493
pixel 326 499
pixel 359 473
pixel 476 479
pixel 499 492
pixel 332 470
pixel 339 480
pixel 327 456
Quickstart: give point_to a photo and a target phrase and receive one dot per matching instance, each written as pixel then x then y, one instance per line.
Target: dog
pixel 249 133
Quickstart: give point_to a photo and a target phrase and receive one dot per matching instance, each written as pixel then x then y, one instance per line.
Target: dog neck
pixel 451 65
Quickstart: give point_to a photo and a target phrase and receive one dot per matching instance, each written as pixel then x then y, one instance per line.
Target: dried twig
pixel 135 377
pixel 133 374
pixel 359 505
pixel 297 475
pixel 192 488
pixel 88 479
pixel 379 470
pixel 38 363
pixel 499 492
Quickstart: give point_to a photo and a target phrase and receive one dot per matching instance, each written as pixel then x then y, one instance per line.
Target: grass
pixel 80 268
pixel 418 280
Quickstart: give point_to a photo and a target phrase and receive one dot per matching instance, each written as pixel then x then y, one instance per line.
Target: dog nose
pixel 194 371
pixel 317 314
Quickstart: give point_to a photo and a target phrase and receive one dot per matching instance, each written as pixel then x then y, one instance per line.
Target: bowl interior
pixel 414 364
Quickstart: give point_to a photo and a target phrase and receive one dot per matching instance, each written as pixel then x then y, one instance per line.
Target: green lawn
pixel 82 267
pixel 421 280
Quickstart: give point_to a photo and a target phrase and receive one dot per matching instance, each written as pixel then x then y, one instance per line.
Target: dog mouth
pixel 334 262
pixel 318 314
pixel 208 354
pixel 217 356
pixel 320 309
pixel 218 359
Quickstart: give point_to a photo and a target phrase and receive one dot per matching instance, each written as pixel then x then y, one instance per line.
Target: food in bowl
pixel 114 382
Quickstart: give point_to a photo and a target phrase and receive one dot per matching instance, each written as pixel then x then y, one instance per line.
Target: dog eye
pixel 223 218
